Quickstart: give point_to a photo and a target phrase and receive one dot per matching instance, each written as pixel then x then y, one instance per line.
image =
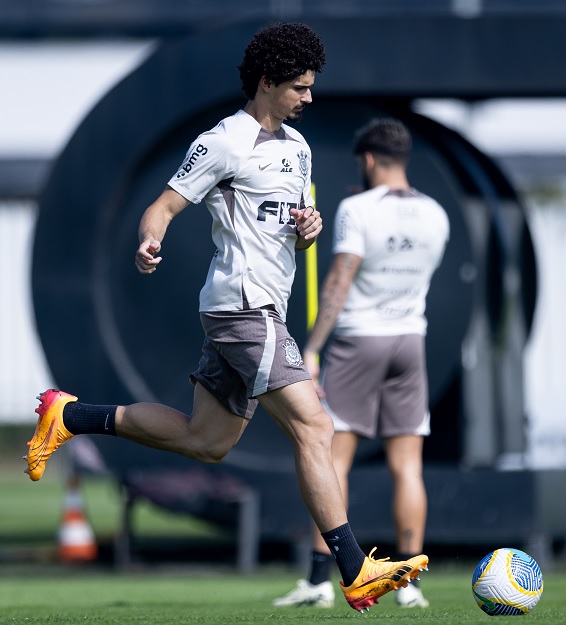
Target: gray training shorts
pixel 377 385
pixel 247 353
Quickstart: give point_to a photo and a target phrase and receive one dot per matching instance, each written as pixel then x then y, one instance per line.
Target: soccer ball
pixel 507 582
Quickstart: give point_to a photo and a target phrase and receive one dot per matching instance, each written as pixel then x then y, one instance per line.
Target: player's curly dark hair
pixel 281 51
pixel 385 136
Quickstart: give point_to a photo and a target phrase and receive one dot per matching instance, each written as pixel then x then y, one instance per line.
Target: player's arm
pixel 331 302
pixel 153 226
pixel 332 298
pixel 309 225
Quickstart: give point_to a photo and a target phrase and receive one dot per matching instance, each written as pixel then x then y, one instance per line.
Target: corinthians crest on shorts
pixel 303 163
pixel 292 353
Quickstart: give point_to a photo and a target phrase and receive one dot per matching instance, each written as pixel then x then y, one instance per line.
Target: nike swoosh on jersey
pixel 262 167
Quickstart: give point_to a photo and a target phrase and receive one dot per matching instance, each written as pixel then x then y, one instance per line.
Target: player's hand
pixel 309 222
pixel 146 259
pixel 311 361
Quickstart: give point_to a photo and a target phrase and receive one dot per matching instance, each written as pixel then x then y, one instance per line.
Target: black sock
pixel 406 556
pixel 320 567
pixel 346 551
pixel 89 419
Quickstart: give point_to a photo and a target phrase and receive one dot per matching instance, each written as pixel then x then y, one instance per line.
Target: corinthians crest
pixel 303 163
pixel 292 353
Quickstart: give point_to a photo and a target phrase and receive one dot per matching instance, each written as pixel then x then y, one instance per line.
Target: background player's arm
pixel 153 226
pixel 332 299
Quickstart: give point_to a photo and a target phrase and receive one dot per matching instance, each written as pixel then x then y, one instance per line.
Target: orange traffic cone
pixel 76 538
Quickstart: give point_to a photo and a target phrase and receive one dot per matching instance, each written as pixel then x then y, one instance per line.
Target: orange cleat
pixel 50 432
pixel 378 577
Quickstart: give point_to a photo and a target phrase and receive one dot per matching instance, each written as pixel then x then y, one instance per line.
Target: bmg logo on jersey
pixel 200 150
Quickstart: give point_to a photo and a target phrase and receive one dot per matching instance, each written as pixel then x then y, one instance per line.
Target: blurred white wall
pixel 23 370
pixel 47 88
pixel 498 126
pixel 537 129
pixel 545 356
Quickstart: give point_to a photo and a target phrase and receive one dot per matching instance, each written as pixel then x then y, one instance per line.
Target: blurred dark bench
pixel 181 486
pixel 214 496
pixel 466 507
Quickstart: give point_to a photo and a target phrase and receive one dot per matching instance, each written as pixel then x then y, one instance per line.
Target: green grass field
pixel 36 589
pixel 208 597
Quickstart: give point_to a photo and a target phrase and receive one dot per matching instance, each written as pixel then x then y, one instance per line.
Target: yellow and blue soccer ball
pixel 507 582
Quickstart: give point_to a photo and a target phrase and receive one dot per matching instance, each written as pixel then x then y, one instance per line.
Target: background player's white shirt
pixel 400 237
pixel 249 178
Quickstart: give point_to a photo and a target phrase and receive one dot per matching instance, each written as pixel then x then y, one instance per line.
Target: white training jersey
pixel 249 178
pixel 400 236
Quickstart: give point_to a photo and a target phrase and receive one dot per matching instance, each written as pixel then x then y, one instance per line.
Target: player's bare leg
pixel 404 459
pixel 344 445
pixel 297 410
pixel 317 590
pixel 207 435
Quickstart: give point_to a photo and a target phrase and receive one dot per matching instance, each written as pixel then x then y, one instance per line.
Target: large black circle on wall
pixel 111 335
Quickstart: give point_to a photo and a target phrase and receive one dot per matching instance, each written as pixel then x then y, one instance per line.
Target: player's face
pixel 289 99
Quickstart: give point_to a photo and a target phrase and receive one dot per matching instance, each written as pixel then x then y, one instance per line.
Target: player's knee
pixel 207 457
pixel 317 432
pixel 327 431
pixel 207 454
pixel 326 426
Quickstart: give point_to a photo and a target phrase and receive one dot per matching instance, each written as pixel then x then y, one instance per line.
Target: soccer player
pixel 388 241
pixel 253 171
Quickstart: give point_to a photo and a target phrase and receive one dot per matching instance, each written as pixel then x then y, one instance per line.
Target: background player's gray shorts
pixel 377 384
pixel 247 353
